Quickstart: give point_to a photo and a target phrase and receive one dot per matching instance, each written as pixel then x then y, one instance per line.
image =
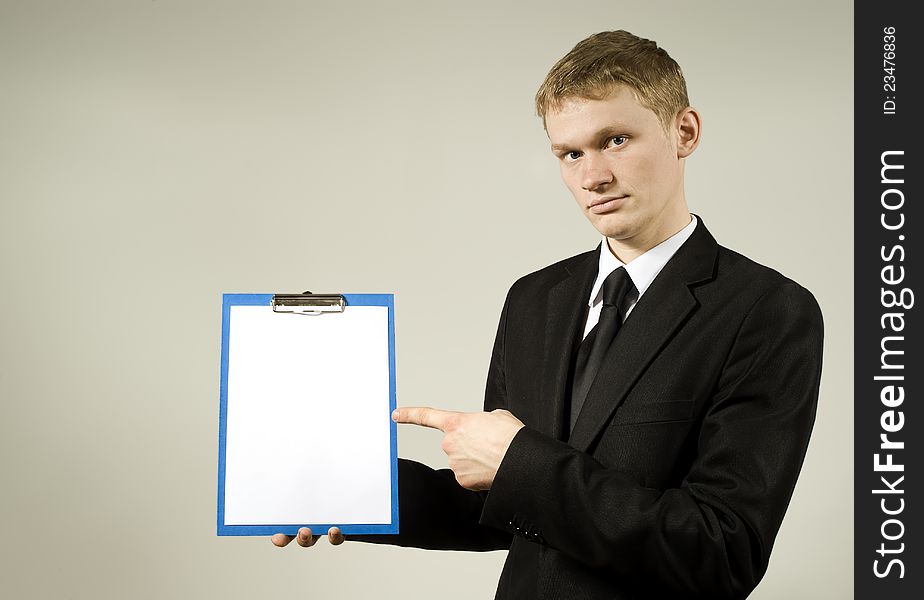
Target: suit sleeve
pixel 434 511
pixel 712 535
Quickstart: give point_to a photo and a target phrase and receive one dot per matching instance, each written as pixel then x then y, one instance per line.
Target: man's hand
pixel 306 540
pixel 474 442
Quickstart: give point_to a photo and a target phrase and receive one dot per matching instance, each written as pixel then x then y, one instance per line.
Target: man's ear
pixel 688 127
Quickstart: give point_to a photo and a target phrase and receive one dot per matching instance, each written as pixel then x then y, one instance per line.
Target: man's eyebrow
pixel 606 132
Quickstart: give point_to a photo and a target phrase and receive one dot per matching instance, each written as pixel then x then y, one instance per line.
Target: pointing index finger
pixel 422 415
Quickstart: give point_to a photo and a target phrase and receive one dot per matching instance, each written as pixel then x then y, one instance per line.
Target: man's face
pixel 623 169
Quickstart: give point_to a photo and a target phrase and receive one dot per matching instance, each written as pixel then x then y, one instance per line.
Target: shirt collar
pixel 644 268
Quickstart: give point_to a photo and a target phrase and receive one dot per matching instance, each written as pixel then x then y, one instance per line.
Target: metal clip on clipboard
pixel 308 303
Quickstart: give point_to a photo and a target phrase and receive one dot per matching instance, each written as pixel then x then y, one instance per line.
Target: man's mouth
pixel 606 204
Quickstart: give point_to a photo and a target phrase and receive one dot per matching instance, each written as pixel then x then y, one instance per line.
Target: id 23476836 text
pixel 889 104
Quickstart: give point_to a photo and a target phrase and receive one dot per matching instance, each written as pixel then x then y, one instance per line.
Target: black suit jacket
pixel 680 467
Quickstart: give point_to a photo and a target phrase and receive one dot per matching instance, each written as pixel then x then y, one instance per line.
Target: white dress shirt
pixel 643 270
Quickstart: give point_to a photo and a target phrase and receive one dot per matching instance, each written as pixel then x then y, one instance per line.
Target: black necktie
pixel 616 286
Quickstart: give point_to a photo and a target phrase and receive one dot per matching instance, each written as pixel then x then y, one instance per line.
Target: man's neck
pixel 628 250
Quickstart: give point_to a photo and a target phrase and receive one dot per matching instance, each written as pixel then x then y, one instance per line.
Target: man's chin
pixel 613 225
pixel 613 231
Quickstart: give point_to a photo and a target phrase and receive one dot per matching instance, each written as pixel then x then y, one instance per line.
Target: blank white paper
pixel 308 417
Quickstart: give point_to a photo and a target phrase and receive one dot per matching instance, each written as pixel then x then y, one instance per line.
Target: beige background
pixel 156 154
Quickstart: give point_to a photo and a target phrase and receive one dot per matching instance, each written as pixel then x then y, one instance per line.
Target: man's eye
pixel 573 155
pixel 617 140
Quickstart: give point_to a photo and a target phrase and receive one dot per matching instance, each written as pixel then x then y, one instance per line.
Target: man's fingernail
pixel 394 415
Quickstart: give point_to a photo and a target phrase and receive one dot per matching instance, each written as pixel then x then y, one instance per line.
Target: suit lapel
pixel 652 323
pixel 566 302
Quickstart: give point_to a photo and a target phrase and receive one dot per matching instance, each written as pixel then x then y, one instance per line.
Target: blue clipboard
pixel 289 380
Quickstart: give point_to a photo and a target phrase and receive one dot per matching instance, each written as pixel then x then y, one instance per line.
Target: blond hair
pixel 601 63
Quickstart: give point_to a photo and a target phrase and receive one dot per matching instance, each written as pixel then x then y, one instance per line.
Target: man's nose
pixel 596 173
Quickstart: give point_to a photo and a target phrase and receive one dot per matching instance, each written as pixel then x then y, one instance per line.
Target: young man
pixel 649 402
